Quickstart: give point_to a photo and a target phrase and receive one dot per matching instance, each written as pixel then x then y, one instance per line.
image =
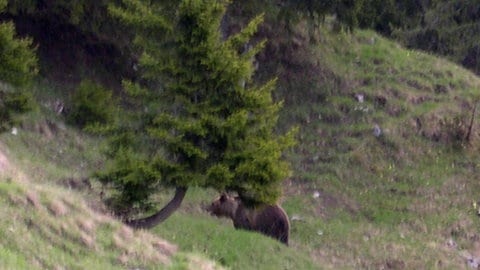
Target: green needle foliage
pixel 92 105
pixel 18 65
pixel 198 119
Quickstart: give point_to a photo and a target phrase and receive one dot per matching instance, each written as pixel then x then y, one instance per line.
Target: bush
pixel 12 103
pixel 92 104
pixel 18 65
pixel 18 60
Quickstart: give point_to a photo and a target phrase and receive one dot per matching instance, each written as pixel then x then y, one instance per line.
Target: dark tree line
pixel 444 27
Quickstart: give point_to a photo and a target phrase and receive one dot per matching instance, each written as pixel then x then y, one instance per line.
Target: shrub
pixel 92 104
pixel 18 61
pixel 18 65
pixel 12 103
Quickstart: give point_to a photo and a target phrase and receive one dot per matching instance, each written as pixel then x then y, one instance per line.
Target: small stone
pixel 296 218
pixel 473 262
pixel 451 244
pixel 360 98
pixel 377 131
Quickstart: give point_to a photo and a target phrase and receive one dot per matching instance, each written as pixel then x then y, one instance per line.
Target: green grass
pixel 42 157
pixel 404 183
pixel 67 154
pixel 234 249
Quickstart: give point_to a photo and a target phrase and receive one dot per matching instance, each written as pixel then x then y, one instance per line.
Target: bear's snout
pixel 208 208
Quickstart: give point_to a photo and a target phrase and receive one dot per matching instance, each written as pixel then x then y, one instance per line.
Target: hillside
pixel 399 199
pixel 51 222
pixel 403 199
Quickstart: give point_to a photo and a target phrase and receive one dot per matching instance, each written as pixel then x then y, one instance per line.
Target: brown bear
pixel 270 220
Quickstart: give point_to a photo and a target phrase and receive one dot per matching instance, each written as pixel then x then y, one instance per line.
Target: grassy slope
pixel 395 201
pixel 46 225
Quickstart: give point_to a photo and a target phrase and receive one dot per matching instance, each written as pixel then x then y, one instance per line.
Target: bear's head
pixel 224 206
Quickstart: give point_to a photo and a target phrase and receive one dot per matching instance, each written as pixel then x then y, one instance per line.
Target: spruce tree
pixel 18 66
pixel 200 120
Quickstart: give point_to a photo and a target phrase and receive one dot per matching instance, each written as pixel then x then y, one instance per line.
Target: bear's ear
pixel 223 197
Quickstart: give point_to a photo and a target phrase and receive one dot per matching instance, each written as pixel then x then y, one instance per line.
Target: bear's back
pixel 273 221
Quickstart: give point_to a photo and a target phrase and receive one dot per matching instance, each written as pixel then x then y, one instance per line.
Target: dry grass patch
pixel 87 225
pixel 141 245
pixel 88 240
pixel 60 231
pixel 197 262
pixel 4 163
pixel 58 208
pixel 32 198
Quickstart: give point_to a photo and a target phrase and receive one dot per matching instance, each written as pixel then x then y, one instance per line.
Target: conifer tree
pixel 18 65
pixel 201 121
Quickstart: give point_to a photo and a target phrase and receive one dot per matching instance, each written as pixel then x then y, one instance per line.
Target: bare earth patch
pixel 4 163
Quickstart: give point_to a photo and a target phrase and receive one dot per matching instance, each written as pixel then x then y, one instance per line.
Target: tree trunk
pixel 163 214
pixel 470 127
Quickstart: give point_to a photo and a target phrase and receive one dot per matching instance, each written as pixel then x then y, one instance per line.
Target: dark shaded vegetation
pixel 447 28
pixel 85 41
pixel 76 40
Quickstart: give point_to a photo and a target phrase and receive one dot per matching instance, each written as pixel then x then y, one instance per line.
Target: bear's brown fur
pixel 270 220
